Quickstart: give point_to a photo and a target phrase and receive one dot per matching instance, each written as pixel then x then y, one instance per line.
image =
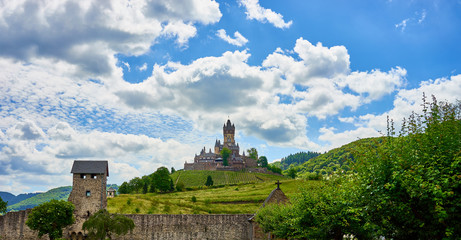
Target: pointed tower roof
pixel 229 125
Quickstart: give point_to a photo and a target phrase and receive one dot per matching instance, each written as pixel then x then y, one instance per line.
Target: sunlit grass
pixel 235 199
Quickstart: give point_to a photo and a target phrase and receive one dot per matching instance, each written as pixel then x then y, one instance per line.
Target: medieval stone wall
pixel 13 226
pixel 185 227
pixel 151 226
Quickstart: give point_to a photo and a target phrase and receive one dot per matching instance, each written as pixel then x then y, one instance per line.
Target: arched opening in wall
pixel 88 214
pixel 73 236
pixel 80 236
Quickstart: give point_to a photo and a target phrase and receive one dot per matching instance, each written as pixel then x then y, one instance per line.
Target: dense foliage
pixel 225 153
pixel 262 161
pixel 405 186
pixel 51 217
pixel 296 159
pixel 253 153
pixel 103 224
pixel 3 205
pixel 411 184
pixel 160 181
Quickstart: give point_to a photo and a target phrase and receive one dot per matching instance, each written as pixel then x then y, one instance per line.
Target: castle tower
pixel 229 133
pixel 88 190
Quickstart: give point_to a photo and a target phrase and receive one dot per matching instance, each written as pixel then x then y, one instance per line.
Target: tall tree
pixel 225 153
pixel 102 224
pixel 3 205
pixel 262 161
pixel 162 179
pixel 51 217
pixel 253 153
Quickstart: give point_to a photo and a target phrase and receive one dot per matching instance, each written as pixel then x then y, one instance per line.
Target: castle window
pixel 88 193
pixel 93 176
pixel 82 176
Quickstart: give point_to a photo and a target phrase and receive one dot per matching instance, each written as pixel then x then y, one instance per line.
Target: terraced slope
pixel 198 178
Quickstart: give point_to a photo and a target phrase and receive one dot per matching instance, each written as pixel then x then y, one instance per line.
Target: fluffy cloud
pixel 406 101
pixel 255 11
pixel 374 84
pixel 238 39
pixel 52 155
pixel 88 33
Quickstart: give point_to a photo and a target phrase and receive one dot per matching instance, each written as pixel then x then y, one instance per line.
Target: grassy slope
pixel 335 159
pixel 198 178
pixel 60 193
pixel 243 198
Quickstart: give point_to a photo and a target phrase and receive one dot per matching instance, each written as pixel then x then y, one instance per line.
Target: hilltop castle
pixel 213 160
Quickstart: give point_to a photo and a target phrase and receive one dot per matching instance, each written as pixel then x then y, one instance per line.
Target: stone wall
pixel 182 227
pixel 13 226
pixel 152 226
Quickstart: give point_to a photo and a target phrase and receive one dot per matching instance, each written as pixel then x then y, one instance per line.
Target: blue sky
pixel 146 84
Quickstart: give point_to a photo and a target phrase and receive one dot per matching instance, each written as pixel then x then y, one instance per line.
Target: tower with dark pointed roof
pixel 88 190
pixel 229 133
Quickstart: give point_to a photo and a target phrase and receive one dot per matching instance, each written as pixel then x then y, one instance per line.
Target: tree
pixel 209 181
pixel 162 179
pixel 262 161
pixel 51 217
pixel 3 205
pixel 173 170
pixel 124 188
pixel 410 183
pixel 253 153
pixel 325 211
pixel 225 153
pixel 292 173
pixel 102 224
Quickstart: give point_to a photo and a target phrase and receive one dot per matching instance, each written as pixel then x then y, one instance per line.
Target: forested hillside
pixel 335 160
pixel 294 160
pixel 60 193
pixel 12 199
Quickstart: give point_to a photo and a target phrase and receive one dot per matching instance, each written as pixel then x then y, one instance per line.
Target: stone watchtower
pixel 88 190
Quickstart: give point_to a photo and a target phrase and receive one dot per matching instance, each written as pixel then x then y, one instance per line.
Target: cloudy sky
pixel 148 83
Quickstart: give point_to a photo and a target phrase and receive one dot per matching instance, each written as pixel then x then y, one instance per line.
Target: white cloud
pixel 88 33
pixel 406 101
pixel 339 139
pixel 255 11
pixel 422 17
pixel 50 158
pixel 143 67
pixel 402 25
pixel 238 39
pixel 374 84
pixel 127 65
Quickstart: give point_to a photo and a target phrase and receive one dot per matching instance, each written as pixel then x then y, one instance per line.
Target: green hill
pixel 60 193
pixel 335 160
pixel 294 160
pixel 197 178
pixel 237 199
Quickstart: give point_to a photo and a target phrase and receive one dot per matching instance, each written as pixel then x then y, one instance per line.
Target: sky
pixel 149 83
